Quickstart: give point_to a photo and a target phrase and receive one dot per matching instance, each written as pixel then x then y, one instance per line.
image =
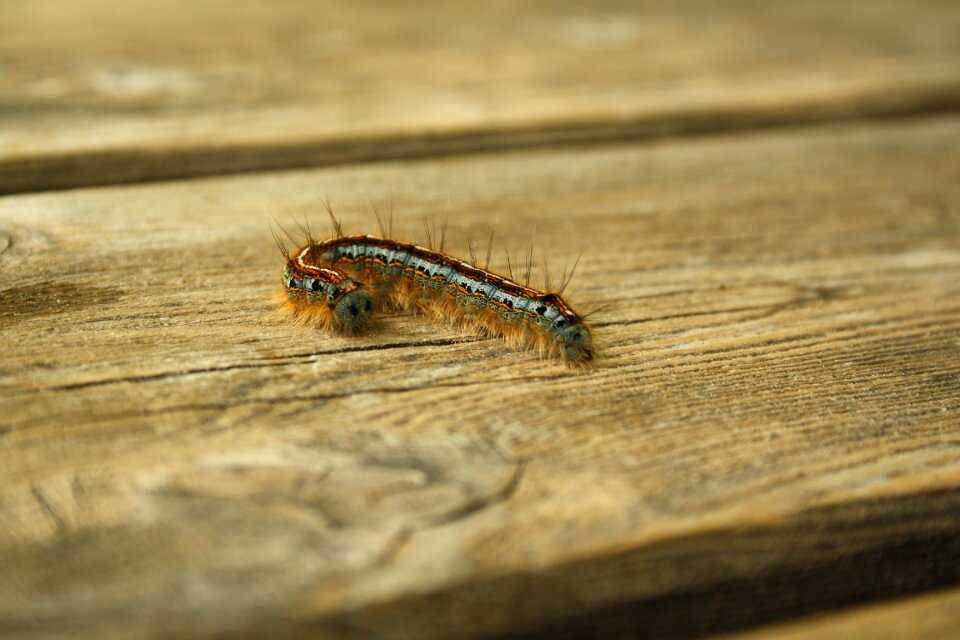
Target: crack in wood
pixel 58 522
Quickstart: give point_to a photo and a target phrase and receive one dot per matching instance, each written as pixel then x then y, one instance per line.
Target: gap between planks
pixel 104 168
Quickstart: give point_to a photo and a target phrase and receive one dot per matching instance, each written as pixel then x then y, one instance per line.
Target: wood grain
pixel 772 429
pixel 97 92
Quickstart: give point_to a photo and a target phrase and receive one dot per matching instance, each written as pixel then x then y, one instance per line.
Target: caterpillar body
pixel 326 282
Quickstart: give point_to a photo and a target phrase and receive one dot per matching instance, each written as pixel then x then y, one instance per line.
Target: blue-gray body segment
pixel 468 284
pixel 291 281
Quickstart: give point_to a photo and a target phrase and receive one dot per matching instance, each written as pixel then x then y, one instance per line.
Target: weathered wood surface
pixel 932 617
pixel 98 92
pixel 772 429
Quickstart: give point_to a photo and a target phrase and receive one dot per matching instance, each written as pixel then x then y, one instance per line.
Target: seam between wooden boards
pixel 103 168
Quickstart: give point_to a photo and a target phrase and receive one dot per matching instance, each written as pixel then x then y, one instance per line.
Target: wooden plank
pixel 772 428
pixel 96 92
pixel 935 616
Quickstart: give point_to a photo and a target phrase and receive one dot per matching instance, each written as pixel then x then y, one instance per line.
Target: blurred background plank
pixel 99 92
pixel 934 617
pixel 771 430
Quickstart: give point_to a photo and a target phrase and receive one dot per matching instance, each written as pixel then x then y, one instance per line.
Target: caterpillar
pixel 323 296
pixel 324 283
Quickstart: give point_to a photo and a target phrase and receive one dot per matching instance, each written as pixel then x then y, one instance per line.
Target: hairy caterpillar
pixel 324 284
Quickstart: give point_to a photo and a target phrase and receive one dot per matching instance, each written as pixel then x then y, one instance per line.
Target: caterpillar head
pixel 353 310
pixel 575 343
